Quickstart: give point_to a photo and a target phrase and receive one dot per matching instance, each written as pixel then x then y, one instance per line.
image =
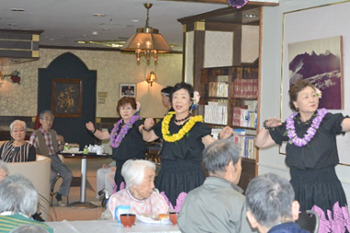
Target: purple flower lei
pixel 311 131
pixel 115 141
pixel 237 3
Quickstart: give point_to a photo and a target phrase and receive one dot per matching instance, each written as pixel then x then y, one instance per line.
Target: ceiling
pixel 64 22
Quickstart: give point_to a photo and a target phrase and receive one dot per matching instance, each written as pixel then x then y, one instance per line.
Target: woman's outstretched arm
pixel 264 139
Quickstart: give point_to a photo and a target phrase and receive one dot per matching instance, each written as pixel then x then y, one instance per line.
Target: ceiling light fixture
pixel 99 15
pixel 147 40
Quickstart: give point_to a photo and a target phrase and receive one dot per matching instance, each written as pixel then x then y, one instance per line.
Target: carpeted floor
pixel 58 213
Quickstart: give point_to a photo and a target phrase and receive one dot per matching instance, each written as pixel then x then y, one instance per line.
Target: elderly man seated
pixel 48 143
pixel 271 205
pixel 18 201
pixel 139 192
pixel 218 205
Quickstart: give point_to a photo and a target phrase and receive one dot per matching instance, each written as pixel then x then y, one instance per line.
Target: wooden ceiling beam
pixel 255 3
pixel 214 13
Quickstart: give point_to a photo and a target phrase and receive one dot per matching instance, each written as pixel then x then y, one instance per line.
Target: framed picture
pixel 320 62
pixel 127 89
pixel 67 97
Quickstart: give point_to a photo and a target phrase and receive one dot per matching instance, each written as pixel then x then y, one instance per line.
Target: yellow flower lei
pixel 182 132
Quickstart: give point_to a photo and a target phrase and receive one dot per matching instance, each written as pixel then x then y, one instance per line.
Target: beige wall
pixel 112 69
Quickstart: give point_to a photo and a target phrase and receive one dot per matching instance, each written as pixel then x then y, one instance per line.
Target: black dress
pixel 312 170
pixel 181 169
pixel 132 147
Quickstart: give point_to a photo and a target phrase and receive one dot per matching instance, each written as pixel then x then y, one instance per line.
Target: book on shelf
pixel 248 132
pixel 246 145
pixel 244 117
pixel 215 114
pixel 239 131
pixel 215 133
pixel 218 89
pixel 245 88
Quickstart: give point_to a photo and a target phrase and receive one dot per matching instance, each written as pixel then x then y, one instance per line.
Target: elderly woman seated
pixel 17 149
pixel 18 201
pixel 139 193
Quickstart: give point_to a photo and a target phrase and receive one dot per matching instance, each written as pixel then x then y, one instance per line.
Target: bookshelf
pixel 229 96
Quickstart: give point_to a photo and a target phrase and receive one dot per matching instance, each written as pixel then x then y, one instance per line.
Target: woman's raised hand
pixel 90 126
pixel 149 122
pixel 273 122
pixel 226 132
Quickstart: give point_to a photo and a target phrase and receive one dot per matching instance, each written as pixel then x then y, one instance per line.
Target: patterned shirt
pixel 154 204
pixel 48 140
pixel 10 153
pixel 9 221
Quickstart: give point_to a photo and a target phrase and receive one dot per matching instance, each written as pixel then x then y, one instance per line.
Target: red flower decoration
pixel 15 79
pixel 14 76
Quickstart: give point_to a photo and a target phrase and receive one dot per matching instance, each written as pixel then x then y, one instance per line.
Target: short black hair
pixel 167 90
pixel 182 85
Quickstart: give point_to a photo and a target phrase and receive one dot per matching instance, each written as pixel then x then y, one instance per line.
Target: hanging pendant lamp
pixel 147 40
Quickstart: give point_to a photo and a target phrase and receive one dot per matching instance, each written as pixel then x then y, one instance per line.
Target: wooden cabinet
pixel 229 96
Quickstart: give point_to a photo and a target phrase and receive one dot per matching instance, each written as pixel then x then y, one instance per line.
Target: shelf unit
pixel 233 77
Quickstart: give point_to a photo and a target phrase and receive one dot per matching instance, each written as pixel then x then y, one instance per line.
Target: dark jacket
pixel 288 227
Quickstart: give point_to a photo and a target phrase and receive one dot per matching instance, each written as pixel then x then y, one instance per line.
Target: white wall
pixel 269 159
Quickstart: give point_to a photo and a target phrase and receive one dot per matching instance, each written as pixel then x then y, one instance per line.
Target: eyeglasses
pixel 47 119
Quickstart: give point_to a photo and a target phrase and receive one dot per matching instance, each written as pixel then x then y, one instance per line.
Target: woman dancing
pixel 312 155
pixel 185 137
pixel 125 137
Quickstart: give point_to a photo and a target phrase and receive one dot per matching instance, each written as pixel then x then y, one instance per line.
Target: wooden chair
pixel 152 153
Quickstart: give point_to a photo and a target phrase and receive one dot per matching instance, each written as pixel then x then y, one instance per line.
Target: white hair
pixel 18 122
pixel 133 171
pixel 29 229
pixel 17 194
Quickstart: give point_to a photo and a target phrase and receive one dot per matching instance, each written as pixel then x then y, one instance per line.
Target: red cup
pixel 173 217
pixel 127 219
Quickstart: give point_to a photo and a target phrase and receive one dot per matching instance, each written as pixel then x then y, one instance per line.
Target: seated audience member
pixel 48 143
pixel 271 205
pixel 138 193
pixel 18 201
pixel 104 181
pixel 17 149
pixel 29 229
pixel 4 171
pixel 218 205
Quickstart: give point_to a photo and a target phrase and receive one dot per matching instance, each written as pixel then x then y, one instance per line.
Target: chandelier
pixel 147 40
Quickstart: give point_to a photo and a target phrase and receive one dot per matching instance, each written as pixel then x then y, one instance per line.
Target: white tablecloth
pixel 95 226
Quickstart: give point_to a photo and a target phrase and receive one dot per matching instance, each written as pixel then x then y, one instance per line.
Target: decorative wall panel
pixel 218 49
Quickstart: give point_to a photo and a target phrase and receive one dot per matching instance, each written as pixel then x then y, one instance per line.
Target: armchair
pixel 38 172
